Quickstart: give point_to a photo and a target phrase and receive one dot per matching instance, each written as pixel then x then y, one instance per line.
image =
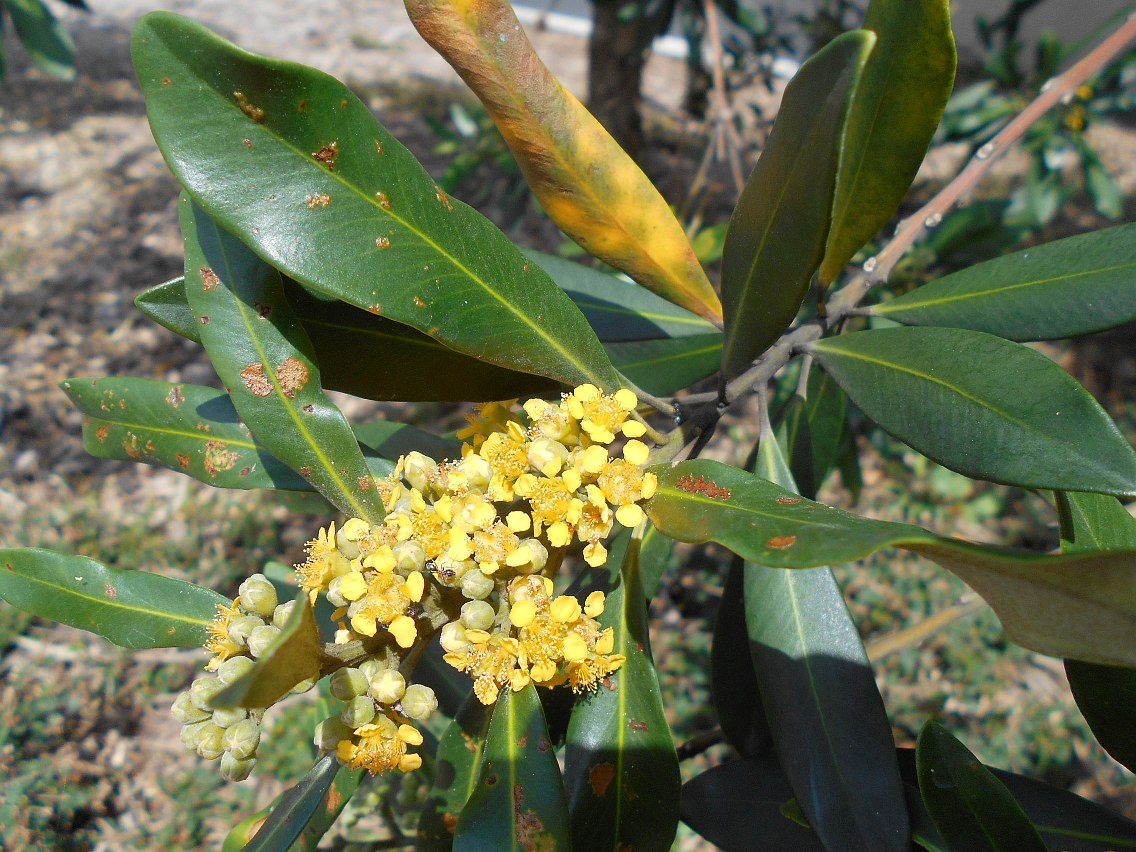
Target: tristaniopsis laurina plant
pixel 470 582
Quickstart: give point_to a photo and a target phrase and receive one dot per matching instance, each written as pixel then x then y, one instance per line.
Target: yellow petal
pixel 522 613
pixel 409 762
pixel 650 483
pixel 518 680
pixel 559 535
pixel 477 637
pixel 595 554
pixel 630 515
pixel 634 429
pixel 415 585
pixel 410 735
pixel 404 631
pixel 606 642
pixel 352 586
pixel 565 609
pixel 575 648
pixel 518 522
pixel 594 604
pixel 364 623
pixel 635 451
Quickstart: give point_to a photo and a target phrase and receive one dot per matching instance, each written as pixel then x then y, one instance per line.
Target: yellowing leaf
pixel 588 184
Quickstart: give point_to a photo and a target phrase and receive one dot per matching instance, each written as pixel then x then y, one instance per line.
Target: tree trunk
pixel 617 52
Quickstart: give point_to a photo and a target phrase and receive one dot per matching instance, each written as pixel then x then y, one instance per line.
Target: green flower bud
pixel 476 585
pixel 282 613
pixel 416 469
pixel 225 716
pixel 346 546
pixel 334 597
pixel 303 686
pixel 186 712
pixel 477 615
pixel 371 669
pixel 232 669
pixel 330 732
pixel 191 733
pixel 240 628
pixel 409 556
pixel 388 687
pixel 203 690
pixel 348 683
pixel 242 739
pixel 258 596
pixel 453 638
pixel 419 702
pixel 359 711
pixel 233 769
pixel 261 638
pixel 538 556
pixel 210 741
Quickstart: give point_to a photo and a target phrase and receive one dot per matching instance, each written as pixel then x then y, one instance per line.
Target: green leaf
pixel 620 767
pixel 261 353
pixel 455 775
pixel 829 725
pixel 664 366
pixel 293 657
pixel 47 41
pixel 654 556
pixel 519 800
pixel 295 808
pixel 983 407
pixel 1105 696
pixel 1060 289
pixel 241 834
pixel 134 609
pixel 345 209
pixel 343 787
pixel 737 700
pixel 776 236
pixel 826 410
pixel 895 109
pixel 972 809
pixel 737 807
pixel 1078 605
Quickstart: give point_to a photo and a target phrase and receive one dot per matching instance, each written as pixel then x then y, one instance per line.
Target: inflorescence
pixel 469 546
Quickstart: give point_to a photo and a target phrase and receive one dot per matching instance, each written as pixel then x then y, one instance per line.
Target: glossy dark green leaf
pixel 293 162
pixel 455 776
pixel 1105 696
pixel 982 406
pixel 518 802
pixel 972 809
pixel 294 656
pixel 895 109
pixel 829 725
pixel 733 685
pixel 737 807
pixel 241 834
pixel 776 236
pixel 45 39
pixel 295 808
pixel 1060 289
pixel 1064 820
pixel 134 609
pixel 620 767
pixel 826 410
pixel 343 786
pixel 1094 522
pixel 664 366
pixel 263 356
pixel 654 556
pixel 1078 605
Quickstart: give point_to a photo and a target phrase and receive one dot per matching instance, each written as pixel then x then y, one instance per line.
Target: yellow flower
pixel 219 644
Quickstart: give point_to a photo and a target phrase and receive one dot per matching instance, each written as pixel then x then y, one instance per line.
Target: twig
pixel 699 743
pixel 911 636
pixel 729 143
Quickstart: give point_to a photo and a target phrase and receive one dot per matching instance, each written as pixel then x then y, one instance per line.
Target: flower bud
pixel 186 712
pixel 534 555
pixel 242 739
pixel 258 596
pixel 191 733
pixel 232 669
pixel 409 556
pixel 348 683
pixel 233 769
pixel 303 686
pixel 371 669
pixel 477 615
pixel 419 701
pixel 210 743
pixel 417 468
pixel 359 711
pixel 240 628
pixel 388 687
pixel 223 717
pixel 282 613
pixel 476 585
pixel 261 638
pixel 453 638
pixel 203 690
pixel 329 732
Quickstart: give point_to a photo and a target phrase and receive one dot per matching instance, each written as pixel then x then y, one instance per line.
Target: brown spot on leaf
pixel 122 404
pixel 383 200
pixel 205 320
pixel 130 445
pixel 544 746
pixel 175 396
pixel 218 457
pixel 111 591
pixel 183 461
pixel 418 302
pixel 449 820
pixel 302 107
pixel 327 154
pixel 245 471
pixel 343 104
pixel 529 825
pixel 305 471
pixel 364 483
pixel 609 683
pixel 256 380
pixel 600 777
pixel 638 727
pixel 334 799
pixel 378 147
pixel 263 311
pixel 102 432
pixel 702 485
pixel 165 81
pixel 383 242
pixel 788 501
pixel 782 542
pixel 251 110
pixel 292 375
pixel 375 309
pixel 309 408
pixel 319 199
pixel 443 199
pixel 522 742
pixel 247 143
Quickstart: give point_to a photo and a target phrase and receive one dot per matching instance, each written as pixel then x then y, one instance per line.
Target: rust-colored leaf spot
pixel 379 147
pixel 292 375
pixel 638 727
pixel 782 542
pixel 544 745
pixel 209 279
pixel 205 320
pixel 343 104
pixel 245 471
pixel 122 404
pixel 183 461
pixel 306 471
pixel 111 591
pixel 522 742
pixel 376 309
pixel 319 199
pixel 218 457
pixel 383 242
pixel 383 200
pixel 247 143
pixel 130 445
pixel 302 107
pixel 419 302
pixel 149 447
pixel 702 485
pixel 251 110
pixel 491 781
pixel 327 154
pixel 309 409
pixel 175 397
pixel 789 501
pixel 171 630
pixel 256 380
pixel 529 826
pixel 364 483
pixel 334 799
pixel 443 199
pixel 102 432
pixel 165 81
pixel 263 311
pixel 608 683
pixel 449 820
pixel 600 777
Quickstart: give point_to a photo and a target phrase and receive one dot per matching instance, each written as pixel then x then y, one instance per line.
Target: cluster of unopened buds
pixel 471 546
